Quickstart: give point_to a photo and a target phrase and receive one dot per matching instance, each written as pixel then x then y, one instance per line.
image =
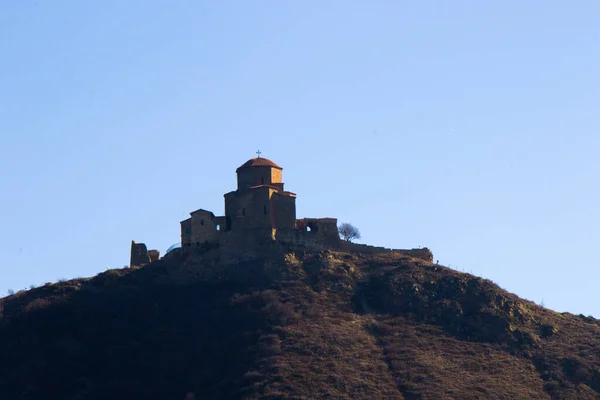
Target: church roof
pixel 259 162
pixel 201 210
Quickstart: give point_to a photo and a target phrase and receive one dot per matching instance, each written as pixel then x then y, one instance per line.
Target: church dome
pixel 259 162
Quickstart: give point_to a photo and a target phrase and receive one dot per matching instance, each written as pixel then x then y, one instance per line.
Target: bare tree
pixel 349 232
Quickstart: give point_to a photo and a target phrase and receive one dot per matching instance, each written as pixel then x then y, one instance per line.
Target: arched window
pixel 262 180
pixel 218 227
pixel 243 211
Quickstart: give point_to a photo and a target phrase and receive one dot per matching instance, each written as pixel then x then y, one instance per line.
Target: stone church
pixel 259 212
pixel 259 209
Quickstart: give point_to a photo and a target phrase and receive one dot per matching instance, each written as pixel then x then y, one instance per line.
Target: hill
pixel 291 326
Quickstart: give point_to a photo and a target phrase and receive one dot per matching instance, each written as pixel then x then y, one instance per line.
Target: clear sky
pixel 469 127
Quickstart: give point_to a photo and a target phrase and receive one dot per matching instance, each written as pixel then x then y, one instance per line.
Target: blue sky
pixel 468 127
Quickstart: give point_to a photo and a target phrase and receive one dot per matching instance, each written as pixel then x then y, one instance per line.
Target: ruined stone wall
pixel 220 223
pixel 296 238
pixel 423 254
pixel 323 234
pixel 323 230
pixel 327 231
pixel 139 254
pixel 154 255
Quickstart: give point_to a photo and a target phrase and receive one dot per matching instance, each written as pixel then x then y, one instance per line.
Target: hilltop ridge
pixel 301 325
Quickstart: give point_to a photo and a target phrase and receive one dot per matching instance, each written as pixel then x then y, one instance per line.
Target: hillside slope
pixel 291 326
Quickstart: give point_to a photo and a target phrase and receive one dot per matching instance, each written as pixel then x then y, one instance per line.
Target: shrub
pixel 36 304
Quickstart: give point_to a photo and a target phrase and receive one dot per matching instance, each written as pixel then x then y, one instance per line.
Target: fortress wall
pixel 301 238
pixel 322 230
pixel 327 231
pixel 362 248
pixel 423 254
pixel 295 237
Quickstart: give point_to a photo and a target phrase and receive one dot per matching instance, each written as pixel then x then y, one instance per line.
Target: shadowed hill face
pixel 312 325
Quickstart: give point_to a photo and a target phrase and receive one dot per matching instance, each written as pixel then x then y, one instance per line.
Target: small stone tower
pixel 140 255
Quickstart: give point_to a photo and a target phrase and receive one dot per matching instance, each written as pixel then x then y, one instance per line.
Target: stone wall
pixel 300 240
pixel 236 243
pixel 186 232
pixel 323 236
pixel 323 230
pixel 312 233
pixel 154 255
pixel 423 254
pixel 220 223
pixel 139 254
pixel 203 228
